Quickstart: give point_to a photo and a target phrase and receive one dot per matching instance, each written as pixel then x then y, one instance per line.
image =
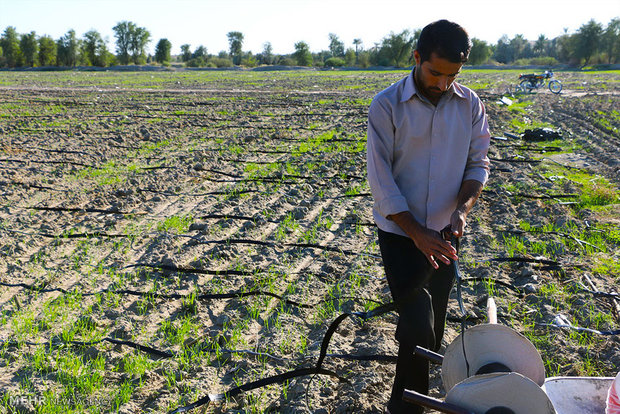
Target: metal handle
pixel 428 354
pixel 433 403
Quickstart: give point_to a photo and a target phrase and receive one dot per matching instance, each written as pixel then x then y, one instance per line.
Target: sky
pixel 286 22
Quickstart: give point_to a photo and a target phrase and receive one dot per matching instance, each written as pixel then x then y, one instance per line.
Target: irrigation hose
pixel 455 242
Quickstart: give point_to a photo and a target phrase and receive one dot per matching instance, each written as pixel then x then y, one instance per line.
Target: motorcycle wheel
pixel 525 86
pixel 555 86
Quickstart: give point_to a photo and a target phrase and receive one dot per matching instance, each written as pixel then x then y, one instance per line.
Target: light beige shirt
pixel 418 154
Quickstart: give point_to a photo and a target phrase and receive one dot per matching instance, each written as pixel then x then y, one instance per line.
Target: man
pixel 427 163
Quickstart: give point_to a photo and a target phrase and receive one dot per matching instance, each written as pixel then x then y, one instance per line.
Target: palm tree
pixel 357 43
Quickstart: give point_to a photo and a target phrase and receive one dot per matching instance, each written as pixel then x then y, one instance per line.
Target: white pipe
pixel 491 310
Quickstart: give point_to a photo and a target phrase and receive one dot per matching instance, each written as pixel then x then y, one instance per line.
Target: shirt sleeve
pixel 477 167
pixel 380 149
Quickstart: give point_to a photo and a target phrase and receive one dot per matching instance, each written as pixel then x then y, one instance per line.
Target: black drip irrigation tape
pixel 501 169
pixel 206 348
pixel 601 294
pixel 530 148
pixel 211 193
pixel 213 216
pixel 278 179
pixel 302 162
pixel 66 235
pixel 157 167
pixel 193 270
pixel 579 329
pixel 515 160
pixel 515 289
pixel 81 235
pixel 175 296
pixel 59 151
pixel 545 264
pixel 546 196
pixel 84 210
pixel 569 167
pixel 235 217
pixel 39 187
pixel 78 164
pixel 203 296
pixel 272 244
pixel 511 135
pixel 115 341
pixel 557 233
pixel 349 196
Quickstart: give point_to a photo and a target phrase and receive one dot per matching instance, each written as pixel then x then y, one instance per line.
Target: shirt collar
pixel 409 90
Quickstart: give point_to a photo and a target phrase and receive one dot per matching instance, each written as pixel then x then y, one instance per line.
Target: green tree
pixel 248 60
pixel 480 52
pixel 507 51
pixel 123 31
pixel 139 40
pixel 131 42
pixel 611 41
pixel 350 57
pixel 200 52
pixel 67 49
pixel 588 41
pixel 363 59
pixel 186 53
pixel 47 51
pixel 357 43
pixel 518 47
pixel 198 58
pixel 302 54
pixel 9 42
pixel 235 42
pixel 95 49
pixel 397 49
pixel 336 47
pixel 541 46
pixel 334 62
pixel 266 57
pixel 502 53
pixel 162 51
pixel 567 46
pixel 29 46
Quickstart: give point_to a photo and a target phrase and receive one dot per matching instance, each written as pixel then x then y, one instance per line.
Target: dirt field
pixel 126 199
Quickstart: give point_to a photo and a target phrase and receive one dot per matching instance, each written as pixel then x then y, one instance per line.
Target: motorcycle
pixel 529 82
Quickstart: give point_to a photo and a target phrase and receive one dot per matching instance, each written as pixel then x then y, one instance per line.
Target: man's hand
pixel 434 247
pixel 430 242
pixel 468 194
pixel 458 222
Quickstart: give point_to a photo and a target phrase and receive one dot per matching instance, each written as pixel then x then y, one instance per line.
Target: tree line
pixel 592 43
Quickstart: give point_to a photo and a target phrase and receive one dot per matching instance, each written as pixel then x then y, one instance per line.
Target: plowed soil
pixel 196 183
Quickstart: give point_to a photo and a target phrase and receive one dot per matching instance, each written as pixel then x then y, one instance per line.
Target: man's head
pixel 446 39
pixel 442 49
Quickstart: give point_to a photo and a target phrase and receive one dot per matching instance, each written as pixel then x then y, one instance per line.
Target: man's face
pixel 434 76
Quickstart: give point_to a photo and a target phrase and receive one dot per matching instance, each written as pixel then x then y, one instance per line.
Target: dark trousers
pixel 421 295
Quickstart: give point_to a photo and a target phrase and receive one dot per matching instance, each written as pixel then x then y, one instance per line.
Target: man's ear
pixel 416 56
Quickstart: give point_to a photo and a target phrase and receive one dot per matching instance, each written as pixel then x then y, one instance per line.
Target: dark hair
pixel 447 39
